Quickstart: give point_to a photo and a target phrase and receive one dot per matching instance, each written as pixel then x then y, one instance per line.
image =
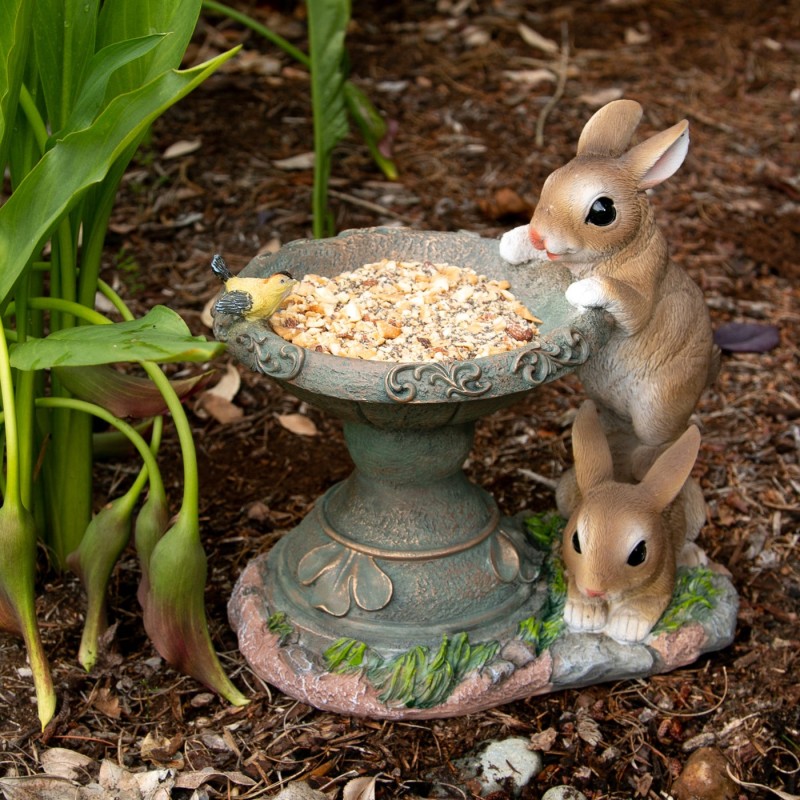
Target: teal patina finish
pixel 407 550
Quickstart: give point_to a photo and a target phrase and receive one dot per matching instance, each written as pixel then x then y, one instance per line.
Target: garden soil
pixel 483 100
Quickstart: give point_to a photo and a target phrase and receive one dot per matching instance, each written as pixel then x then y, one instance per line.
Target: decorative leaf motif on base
pixel 538 366
pixel 283 362
pixel 339 576
pixel 418 677
pixel 463 379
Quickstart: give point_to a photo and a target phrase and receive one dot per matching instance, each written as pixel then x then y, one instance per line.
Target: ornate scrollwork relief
pixel 537 366
pixel 283 362
pixel 459 379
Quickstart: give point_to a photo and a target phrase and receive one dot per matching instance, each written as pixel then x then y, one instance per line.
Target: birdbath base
pixel 461 673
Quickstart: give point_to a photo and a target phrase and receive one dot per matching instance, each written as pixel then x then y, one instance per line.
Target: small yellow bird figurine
pixel 251 298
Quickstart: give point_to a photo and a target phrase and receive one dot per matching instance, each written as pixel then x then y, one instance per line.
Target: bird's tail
pixel 220 268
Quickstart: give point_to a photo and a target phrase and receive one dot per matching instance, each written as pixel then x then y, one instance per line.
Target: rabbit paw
pixel 628 626
pixel 692 555
pixel 583 616
pixel 587 293
pixel 516 246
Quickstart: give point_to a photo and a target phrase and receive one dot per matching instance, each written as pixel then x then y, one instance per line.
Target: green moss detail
pixel 693 599
pixel 279 625
pixel 544 532
pixel 417 678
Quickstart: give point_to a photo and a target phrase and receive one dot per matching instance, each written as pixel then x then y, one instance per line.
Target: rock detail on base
pixel 459 676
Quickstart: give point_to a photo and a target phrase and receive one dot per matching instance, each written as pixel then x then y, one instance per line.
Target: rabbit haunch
pixel 594 217
pixel 623 542
pixel 405 311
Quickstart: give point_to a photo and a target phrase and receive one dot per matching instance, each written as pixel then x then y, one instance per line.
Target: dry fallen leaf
pixel 587 728
pixel 298 424
pixel 205 314
pixel 222 410
pixel 36 787
pixel 530 77
pixel 64 763
pixel 544 740
pixel 272 246
pixel 117 782
pixel 228 385
pixel 106 702
pixel 360 789
pixel 195 779
pixel 636 36
pixel 218 400
pixel 301 161
pixel 159 748
pixel 182 148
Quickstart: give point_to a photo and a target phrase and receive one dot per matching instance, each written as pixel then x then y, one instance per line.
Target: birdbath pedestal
pixel 404 591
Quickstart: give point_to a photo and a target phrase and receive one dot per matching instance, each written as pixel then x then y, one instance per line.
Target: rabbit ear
pixel 593 464
pixel 609 131
pixel 654 160
pixel 670 470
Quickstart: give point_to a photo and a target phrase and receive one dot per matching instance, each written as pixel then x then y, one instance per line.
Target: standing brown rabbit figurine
pixel 623 541
pixel 594 217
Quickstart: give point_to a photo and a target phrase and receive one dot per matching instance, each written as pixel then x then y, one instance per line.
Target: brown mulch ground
pixel 454 77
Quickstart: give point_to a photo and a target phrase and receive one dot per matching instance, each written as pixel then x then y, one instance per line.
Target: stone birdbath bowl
pixel 405 592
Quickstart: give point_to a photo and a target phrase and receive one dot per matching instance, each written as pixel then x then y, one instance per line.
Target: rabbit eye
pixel 638 554
pixel 576 543
pixel 602 212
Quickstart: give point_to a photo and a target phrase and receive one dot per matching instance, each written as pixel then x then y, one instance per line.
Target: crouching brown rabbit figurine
pixel 594 217
pixel 624 541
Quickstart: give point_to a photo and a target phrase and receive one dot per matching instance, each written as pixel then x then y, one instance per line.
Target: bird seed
pixel 405 312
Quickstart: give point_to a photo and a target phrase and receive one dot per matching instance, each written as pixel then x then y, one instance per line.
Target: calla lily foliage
pixel 81 81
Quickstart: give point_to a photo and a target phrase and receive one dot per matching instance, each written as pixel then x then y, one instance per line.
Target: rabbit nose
pixel 594 593
pixel 536 240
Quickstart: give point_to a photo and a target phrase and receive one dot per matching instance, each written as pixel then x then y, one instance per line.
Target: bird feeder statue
pixel 406 592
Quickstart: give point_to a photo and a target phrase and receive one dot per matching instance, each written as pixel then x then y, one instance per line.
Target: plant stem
pixel 123 427
pixel 33 116
pixel 115 300
pixel 191 492
pixel 12 490
pixel 191 483
pixel 68 307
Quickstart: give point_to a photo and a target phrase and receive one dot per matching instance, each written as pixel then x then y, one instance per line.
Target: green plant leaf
pixel 122 20
pixel 372 126
pixel 160 335
pixel 122 394
pixel 104 540
pixel 64 41
pixel 327 26
pixel 174 608
pixel 17 597
pixel 102 66
pixel 81 160
pixel 15 26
